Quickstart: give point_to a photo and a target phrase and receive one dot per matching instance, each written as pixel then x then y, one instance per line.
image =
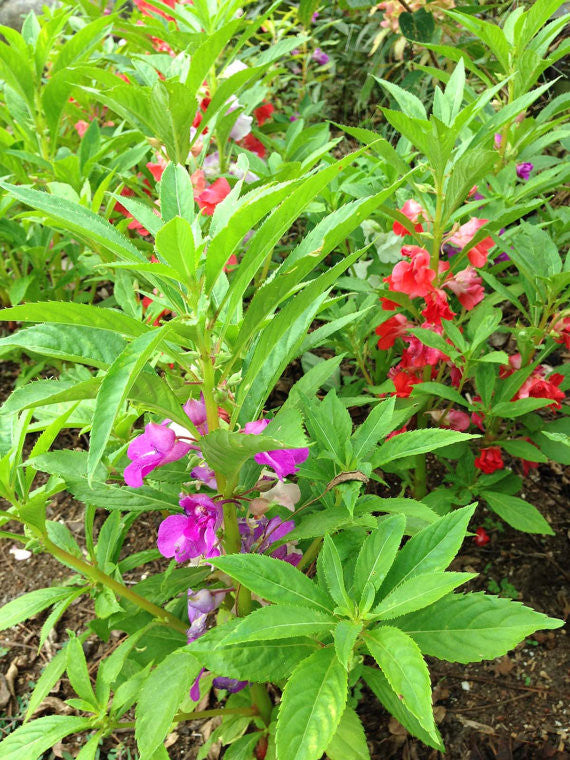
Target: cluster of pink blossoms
pixel 416 277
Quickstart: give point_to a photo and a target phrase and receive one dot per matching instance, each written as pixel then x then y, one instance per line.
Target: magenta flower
pixel 320 57
pixel 282 461
pixel 498 139
pixel 157 446
pixel 524 170
pixel 220 682
pixel 205 475
pixel 196 411
pixel 193 534
pixel 259 536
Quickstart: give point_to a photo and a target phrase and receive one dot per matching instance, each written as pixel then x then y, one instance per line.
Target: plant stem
pixel 96 575
pixel 310 554
pixel 198 714
pixel 262 702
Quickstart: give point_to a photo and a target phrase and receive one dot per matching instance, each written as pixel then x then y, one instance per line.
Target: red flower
pixel 413 211
pixel 467 286
pixel 157 169
pixel 393 328
pixel 417 354
pixel 481 537
pixel 478 254
pixel 412 277
pixel 537 386
pixel 489 460
pixel 403 381
pixel 397 432
pixel 388 305
pixel 263 113
pixel 437 307
pixel 211 196
pixel 561 328
pixel 251 143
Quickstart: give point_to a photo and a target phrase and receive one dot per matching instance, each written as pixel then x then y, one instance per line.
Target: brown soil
pixel 513 708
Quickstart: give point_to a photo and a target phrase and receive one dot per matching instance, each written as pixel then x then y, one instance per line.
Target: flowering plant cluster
pixel 224 292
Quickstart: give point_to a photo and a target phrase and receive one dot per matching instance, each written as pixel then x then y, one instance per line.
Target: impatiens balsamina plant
pixel 283 566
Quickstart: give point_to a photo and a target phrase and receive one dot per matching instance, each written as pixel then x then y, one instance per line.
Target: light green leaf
pixel 349 740
pixel 176 195
pixel 273 579
pixel 163 691
pixel 375 427
pixel 473 627
pixel 377 554
pixel 518 447
pixel 402 663
pixel 313 702
pixel 30 741
pixel 332 568
pixel 227 452
pixel 175 244
pixel 416 442
pixel 78 673
pixel 345 635
pixel 28 605
pixel 280 622
pixel 419 591
pixel 517 512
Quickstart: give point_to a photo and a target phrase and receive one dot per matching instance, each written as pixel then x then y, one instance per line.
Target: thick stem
pixel 262 702
pixel 96 575
pixel 310 554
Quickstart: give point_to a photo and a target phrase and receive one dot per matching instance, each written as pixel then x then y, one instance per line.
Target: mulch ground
pixel 514 708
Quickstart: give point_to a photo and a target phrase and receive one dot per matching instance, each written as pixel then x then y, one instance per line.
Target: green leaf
pixel 69 313
pixel 416 442
pixel 77 671
pixel 418 26
pixel 431 549
pixel 273 579
pixel 84 345
pixel 175 244
pixel 47 392
pixel 410 104
pixel 227 452
pixel 402 663
pixel 345 635
pixel 441 390
pixel 375 427
pixel 377 681
pixel 517 512
pixel 30 741
pixel 332 569
pixel 416 512
pixel 47 680
pixel 511 409
pixel 518 447
pixel 255 661
pixel 28 605
pixel 163 691
pixel 176 195
pixel 115 388
pixel 280 622
pixel 473 627
pixel 419 591
pixel 349 740
pixel 313 702
pixel 377 554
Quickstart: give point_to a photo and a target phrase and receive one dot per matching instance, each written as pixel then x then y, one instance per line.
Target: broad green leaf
pixel 473 627
pixel 441 390
pixel 345 635
pixel 431 549
pixel 401 661
pixel 89 750
pixel 518 447
pixel 511 409
pixel 70 313
pixel 273 579
pixel 312 705
pixel 84 345
pixel 255 661
pixel 517 512
pixel 349 740
pixel 176 195
pixel 409 103
pixel 28 605
pixel 418 592
pixel 415 512
pixel 30 741
pixel 416 442
pixel 161 695
pixel 377 681
pixel 377 554
pixel 280 622
pixel 77 671
pixel 47 392
pixel 175 244
pixel 114 390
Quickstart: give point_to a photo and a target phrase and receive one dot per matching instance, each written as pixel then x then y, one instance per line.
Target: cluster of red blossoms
pixel 416 276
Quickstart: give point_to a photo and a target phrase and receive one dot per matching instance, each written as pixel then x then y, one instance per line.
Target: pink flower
pixel 417 354
pixel 193 534
pixel 478 254
pixel 454 419
pixel 392 329
pixel 561 330
pixel 524 170
pixel 282 461
pixel 157 446
pixel 81 126
pixel 537 386
pixel 413 277
pixel 467 286
pixel 437 307
pixel 413 210
pixel 212 195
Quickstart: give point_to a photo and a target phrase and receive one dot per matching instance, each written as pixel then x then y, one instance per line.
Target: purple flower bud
pixel 196 411
pixel 195 690
pixel 200 603
pixel 524 170
pixel 498 140
pixel 229 684
pixel 193 534
pixel 320 57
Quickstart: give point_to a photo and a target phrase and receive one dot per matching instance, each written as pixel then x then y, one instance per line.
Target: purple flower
pixel 229 684
pixel 196 411
pixel 524 170
pixel 193 534
pixel 157 446
pixel 282 461
pixel 258 537
pixel 315 16
pixel 320 57
pixel 195 690
pixel 200 603
pixel 205 475
pixel 498 140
